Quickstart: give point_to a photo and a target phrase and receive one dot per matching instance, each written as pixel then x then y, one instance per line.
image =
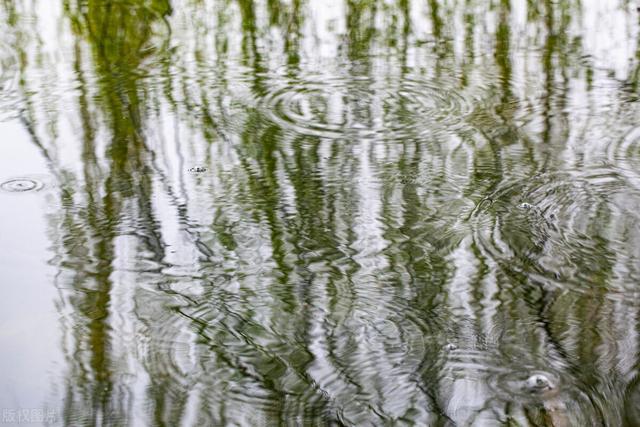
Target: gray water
pixel 323 213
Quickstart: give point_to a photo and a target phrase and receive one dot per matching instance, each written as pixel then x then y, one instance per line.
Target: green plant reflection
pixel 344 213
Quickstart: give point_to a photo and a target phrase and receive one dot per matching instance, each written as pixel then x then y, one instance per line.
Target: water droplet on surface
pixel 538 383
pixel 197 169
pixel 21 185
pixel 526 385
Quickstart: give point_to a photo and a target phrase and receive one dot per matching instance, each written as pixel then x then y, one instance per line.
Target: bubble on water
pixel 525 385
pixel 451 347
pixel 537 383
pixel 197 169
pixel 21 185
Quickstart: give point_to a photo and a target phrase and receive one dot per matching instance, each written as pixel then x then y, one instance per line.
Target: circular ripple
pixel 554 397
pixel 347 106
pixel 567 229
pixel 625 154
pixel 21 185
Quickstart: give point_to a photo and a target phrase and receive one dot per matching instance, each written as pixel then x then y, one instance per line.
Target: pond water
pixel 320 212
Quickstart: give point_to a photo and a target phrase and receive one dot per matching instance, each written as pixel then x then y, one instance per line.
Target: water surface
pixel 320 213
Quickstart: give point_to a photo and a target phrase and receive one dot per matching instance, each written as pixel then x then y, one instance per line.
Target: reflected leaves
pixel 274 221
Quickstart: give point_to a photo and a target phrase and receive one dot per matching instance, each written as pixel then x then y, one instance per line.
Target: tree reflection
pixel 364 245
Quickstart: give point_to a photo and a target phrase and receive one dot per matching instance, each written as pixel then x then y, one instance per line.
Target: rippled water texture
pixel 323 213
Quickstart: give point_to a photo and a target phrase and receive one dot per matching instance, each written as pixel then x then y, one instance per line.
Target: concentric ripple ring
pixel 21 185
pixel 343 106
pixel 555 227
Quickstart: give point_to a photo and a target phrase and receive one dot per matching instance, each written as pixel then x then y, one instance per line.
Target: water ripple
pixel 564 228
pixel 8 83
pixel 337 106
pixel 22 185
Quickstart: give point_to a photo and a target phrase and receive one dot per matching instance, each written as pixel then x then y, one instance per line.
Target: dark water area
pixel 322 213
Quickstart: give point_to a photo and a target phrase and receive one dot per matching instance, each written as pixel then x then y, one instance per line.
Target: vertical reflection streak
pixel 363 213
